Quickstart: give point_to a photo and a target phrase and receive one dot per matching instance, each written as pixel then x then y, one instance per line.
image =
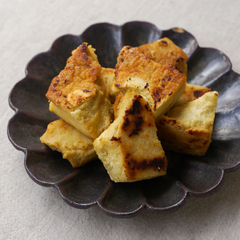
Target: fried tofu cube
pixel 188 129
pixel 129 147
pixel 161 85
pixel 164 51
pixel 190 93
pixel 78 94
pixel 74 146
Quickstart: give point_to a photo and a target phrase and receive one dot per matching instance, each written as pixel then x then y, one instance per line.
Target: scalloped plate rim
pixel 145 205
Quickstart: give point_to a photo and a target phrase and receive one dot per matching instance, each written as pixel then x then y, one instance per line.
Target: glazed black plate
pixel 90 185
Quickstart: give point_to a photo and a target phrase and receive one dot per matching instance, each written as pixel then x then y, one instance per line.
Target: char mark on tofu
pixel 133 120
pixel 115 139
pixel 138 126
pixel 136 106
pixel 134 166
pixel 198 93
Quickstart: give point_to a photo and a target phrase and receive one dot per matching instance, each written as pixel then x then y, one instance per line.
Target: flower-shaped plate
pixel 90 185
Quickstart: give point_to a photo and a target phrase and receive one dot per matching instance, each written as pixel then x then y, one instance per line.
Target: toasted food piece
pixel 161 85
pixel 108 76
pixel 78 94
pixel 190 93
pixel 164 51
pixel 129 147
pixel 117 104
pixel 74 146
pixel 188 129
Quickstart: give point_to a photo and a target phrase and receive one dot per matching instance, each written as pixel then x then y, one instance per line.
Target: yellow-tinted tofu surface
pixel 129 147
pixel 74 146
pixel 108 76
pixel 78 94
pixel 161 85
pixel 77 81
pixel 164 51
pixel 190 93
pixel 188 129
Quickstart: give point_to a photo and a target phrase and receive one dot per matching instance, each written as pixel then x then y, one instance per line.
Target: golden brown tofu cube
pixel 190 93
pixel 78 94
pixel 74 146
pixel 164 51
pixel 129 147
pixel 188 129
pixel 161 85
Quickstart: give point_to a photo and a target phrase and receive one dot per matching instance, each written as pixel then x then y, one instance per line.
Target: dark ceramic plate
pixel 90 185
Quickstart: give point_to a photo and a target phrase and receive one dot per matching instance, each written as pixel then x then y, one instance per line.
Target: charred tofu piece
pixel 161 85
pixel 74 146
pixel 78 94
pixel 190 93
pixel 129 148
pixel 188 129
pixel 164 51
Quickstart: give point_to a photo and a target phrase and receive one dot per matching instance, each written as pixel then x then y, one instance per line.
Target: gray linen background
pixel 29 211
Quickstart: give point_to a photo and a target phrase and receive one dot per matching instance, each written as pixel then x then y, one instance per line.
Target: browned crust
pixel 137 118
pixel 191 141
pixel 133 120
pixel 194 93
pixel 164 51
pixel 133 167
pixel 191 93
pixel 108 71
pixel 79 74
pixel 161 80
